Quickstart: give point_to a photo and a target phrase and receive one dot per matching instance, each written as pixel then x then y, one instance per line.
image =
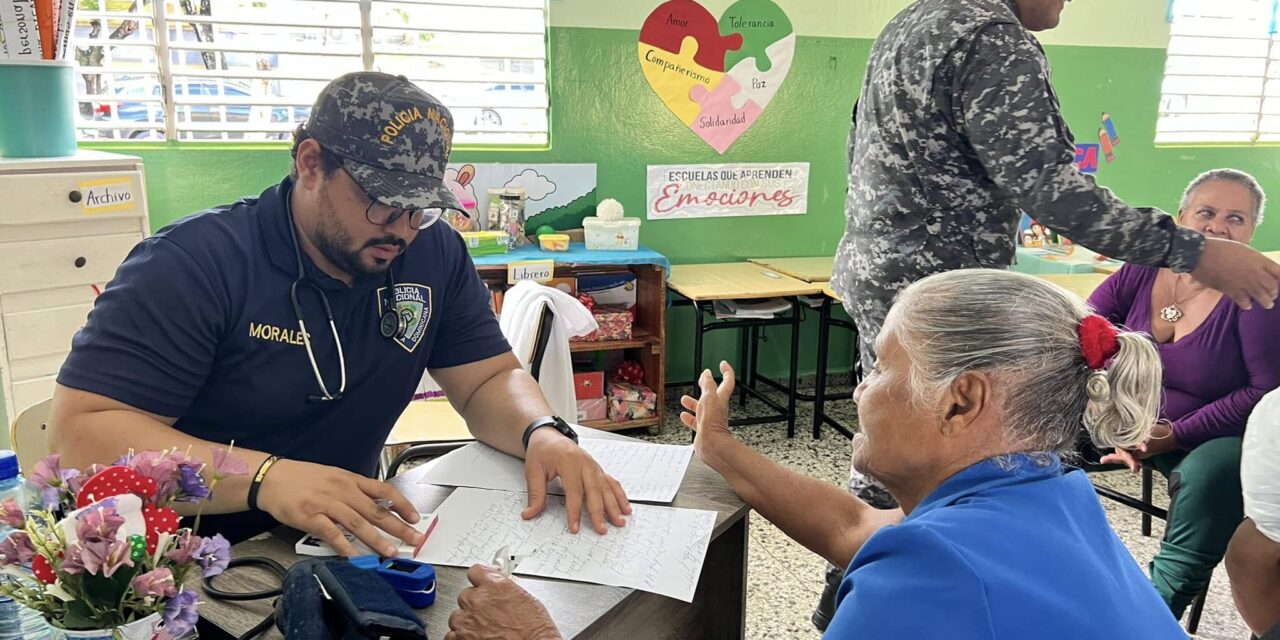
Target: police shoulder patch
pixel 413 304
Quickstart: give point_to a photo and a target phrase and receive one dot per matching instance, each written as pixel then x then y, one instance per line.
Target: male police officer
pixel 958 130
pixel 298 324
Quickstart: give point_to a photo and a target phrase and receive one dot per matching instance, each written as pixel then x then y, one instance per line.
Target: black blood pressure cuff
pixel 333 599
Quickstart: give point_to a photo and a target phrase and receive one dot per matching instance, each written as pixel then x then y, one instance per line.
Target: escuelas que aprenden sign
pixel 724 190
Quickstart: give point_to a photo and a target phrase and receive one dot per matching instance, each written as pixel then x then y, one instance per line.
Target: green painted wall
pixel 1092 23
pixel 603 112
pixel 1126 84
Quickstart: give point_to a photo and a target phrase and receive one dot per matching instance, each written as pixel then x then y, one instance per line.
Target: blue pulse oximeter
pixel 414 581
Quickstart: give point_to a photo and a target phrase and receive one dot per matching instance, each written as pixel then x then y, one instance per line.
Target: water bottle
pixel 16 621
pixel 10 484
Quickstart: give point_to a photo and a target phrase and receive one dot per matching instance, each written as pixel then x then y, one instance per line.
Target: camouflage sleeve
pixel 1007 110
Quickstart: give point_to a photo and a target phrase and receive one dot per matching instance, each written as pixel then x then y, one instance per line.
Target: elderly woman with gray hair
pixel 1219 361
pixel 984 378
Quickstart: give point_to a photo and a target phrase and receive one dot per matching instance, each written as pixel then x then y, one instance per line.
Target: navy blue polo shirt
pixel 197 324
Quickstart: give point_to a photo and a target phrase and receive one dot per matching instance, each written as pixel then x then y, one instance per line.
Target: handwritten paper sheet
pixel 661 550
pixel 648 472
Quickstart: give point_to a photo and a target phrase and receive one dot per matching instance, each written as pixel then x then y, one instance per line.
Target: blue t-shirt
pixel 197 324
pixel 1023 552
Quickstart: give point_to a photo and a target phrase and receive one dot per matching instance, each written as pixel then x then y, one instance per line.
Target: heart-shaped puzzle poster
pixel 717 76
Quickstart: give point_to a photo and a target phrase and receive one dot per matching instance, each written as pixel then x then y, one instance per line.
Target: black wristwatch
pixel 550 421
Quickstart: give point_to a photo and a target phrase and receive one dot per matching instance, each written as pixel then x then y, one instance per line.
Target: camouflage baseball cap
pixel 393 137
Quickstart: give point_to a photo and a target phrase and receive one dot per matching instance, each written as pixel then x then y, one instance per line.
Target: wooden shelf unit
pixel 640 338
pixel 648 343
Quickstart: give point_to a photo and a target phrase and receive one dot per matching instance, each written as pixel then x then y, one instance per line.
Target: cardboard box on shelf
pixel 615 324
pixel 610 289
pixel 593 409
pixel 588 385
pixel 631 402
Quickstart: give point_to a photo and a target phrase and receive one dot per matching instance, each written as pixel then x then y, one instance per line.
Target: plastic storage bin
pixel 612 235
pixel 554 242
pixel 485 243
pixel 37 108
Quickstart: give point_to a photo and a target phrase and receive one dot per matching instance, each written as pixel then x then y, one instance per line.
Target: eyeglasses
pixel 382 214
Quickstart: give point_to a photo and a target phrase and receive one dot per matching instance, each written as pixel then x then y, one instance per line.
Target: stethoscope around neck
pixel 390 324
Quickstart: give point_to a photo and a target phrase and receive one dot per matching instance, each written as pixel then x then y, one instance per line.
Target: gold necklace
pixel 1173 313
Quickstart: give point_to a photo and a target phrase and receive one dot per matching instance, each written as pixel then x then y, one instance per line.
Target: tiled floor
pixel 785 579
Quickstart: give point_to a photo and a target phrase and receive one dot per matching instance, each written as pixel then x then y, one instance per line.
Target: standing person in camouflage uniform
pixel 199 340
pixel 957 131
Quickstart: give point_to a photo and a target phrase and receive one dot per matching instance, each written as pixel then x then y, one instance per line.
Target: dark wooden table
pixel 580 610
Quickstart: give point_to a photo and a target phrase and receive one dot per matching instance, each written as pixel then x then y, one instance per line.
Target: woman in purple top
pixel 1218 363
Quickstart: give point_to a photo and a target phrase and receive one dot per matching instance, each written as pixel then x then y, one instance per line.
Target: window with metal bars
pixel 250 69
pixel 1222 76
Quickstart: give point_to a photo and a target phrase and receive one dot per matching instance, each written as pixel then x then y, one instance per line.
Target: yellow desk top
pixel 1081 284
pixel 1274 255
pixel 734 281
pixel 428 421
pixel 807 269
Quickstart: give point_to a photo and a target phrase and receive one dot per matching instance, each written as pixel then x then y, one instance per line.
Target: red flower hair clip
pixel 1098 341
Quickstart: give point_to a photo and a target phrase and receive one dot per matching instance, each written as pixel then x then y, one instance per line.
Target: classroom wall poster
pixel 1087 157
pixel 725 190
pixel 559 195
pixel 717 77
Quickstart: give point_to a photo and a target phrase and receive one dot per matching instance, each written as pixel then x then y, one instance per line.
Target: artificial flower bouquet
pixel 104 550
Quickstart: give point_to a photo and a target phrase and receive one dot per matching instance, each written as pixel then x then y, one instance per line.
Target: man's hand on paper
pixel 708 416
pixel 551 455
pixel 496 607
pixel 323 501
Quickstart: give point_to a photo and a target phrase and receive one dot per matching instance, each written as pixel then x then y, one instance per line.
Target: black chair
pixel 820 399
pixel 1149 510
pixel 435 449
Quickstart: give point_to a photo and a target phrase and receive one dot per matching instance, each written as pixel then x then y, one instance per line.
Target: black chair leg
pixel 1146 497
pixel 1197 608
pixel 795 367
pixel 697 353
pixel 820 374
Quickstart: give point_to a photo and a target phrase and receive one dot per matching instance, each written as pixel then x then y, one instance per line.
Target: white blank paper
pixel 660 550
pixel 648 472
